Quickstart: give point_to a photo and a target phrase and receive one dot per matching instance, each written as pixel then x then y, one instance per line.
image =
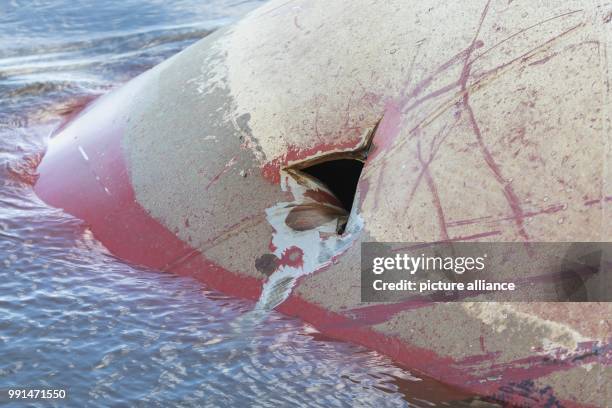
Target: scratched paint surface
pixel 494 125
pixel 73 316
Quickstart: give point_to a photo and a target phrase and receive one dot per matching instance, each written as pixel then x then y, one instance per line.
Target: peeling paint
pixel 316 246
pixel 503 317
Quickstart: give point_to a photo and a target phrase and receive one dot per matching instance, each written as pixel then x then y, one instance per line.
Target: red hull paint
pixel 93 171
pixel 101 193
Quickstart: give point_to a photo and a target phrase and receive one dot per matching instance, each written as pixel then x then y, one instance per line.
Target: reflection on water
pixel 74 317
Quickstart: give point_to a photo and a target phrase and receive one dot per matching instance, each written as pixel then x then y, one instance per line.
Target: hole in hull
pixel 339 174
pixel 340 177
pixel 318 224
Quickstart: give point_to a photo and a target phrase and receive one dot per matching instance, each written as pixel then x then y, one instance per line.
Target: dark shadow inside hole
pixel 340 176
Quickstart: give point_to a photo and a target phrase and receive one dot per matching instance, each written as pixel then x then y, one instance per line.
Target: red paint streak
pixel 434 193
pixel 271 170
pixel 431 95
pixel 339 326
pixel 424 83
pixel 589 203
pixel 213 242
pixel 544 60
pixel 526 55
pixel 380 313
pixel 453 239
pixel 434 147
pixel 255 218
pixel 508 190
pixel 421 360
pixel 271 246
pixel 467 221
pixel 388 129
pixel 225 169
pixel 490 220
pixel 539 23
pixel 548 210
pixel 473 236
pixel 415 186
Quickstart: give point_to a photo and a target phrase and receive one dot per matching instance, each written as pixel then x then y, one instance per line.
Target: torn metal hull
pixel 493 126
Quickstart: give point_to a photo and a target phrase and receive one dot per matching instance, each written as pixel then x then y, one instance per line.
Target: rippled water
pixel 74 317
